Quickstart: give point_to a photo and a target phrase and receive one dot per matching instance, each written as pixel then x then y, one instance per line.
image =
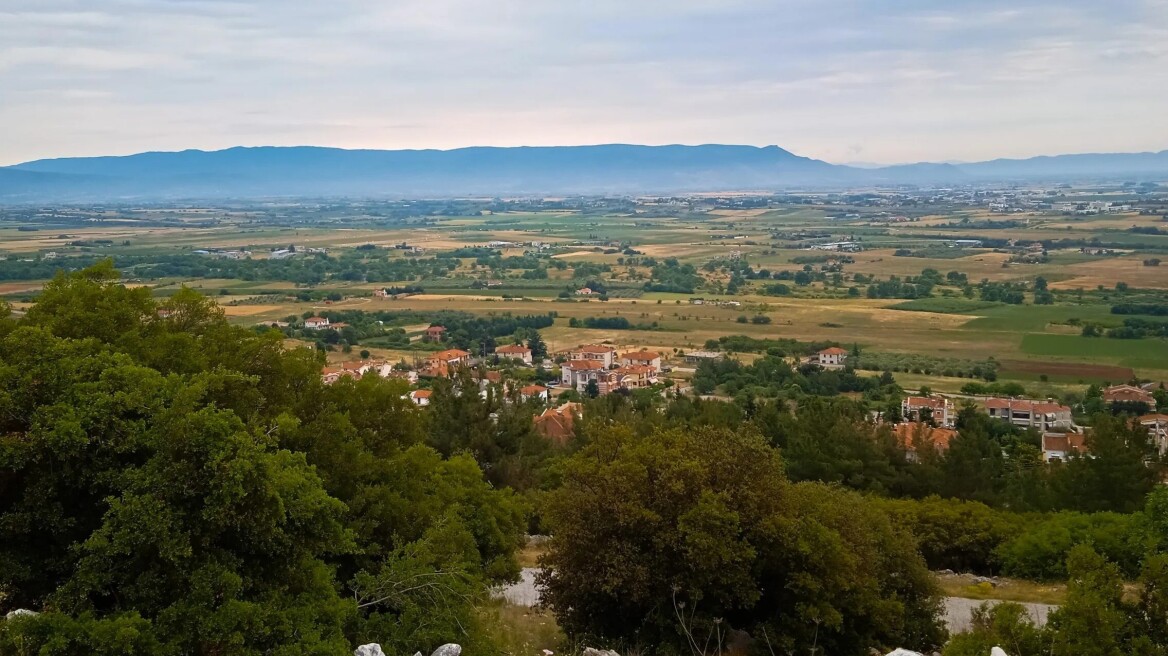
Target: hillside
pixel 605 169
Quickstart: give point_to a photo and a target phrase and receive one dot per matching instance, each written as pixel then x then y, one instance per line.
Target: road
pixel 958 610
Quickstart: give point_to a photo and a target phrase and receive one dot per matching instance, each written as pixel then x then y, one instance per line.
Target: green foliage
pixel 702 525
pixel 173 485
pixel 958 535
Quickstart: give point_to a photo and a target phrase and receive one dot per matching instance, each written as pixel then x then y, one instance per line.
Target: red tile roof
pixel 641 356
pixel 532 390
pixel 907 434
pixel 513 348
pixel 834 350
pixel 925 402
pixel 581 365
pixel 1064 442
pixel 1128 393
pixel 450 354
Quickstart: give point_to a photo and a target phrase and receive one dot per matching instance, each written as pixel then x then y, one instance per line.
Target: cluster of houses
pixel 599 364
pixel 932 418
pixel 602 364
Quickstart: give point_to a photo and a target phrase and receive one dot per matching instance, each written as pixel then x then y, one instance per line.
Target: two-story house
pixel 937 407
pixel 514 352
pixel 831 358
pixel 1042 415
pixel 651 359
pixel 595 353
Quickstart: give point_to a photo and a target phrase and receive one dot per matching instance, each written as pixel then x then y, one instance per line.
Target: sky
pixel 883 81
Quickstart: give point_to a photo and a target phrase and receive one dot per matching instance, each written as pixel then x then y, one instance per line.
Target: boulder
pixel 589 651
pixel 998 651
pixel 20 612
pixel 449 649
pixel 371 649
pixel 904 652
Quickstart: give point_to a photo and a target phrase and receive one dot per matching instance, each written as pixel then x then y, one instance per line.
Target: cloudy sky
pixel 843 80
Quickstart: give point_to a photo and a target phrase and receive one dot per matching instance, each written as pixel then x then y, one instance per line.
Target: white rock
pixel 21 612
pixel 371 649
pixel 905 652
pixel 998 651
pixel 599 652
pixel 449 649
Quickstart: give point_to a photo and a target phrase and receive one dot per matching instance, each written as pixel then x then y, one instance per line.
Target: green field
pixel 1139 353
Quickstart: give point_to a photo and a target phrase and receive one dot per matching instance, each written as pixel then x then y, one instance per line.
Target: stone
pixel 998 651
pixel 904 652
pixel 449 649
pixel 20 612
pixel 589 651
pixel 371 649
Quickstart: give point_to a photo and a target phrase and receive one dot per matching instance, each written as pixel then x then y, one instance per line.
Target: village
pixel 592 370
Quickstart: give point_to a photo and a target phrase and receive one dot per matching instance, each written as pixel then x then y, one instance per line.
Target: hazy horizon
pixel 853 164
pixel 852 81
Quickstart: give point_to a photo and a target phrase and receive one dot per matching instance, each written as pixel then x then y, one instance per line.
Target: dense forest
pixel 172 484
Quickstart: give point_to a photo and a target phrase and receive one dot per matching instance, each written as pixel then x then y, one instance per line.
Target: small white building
pixel 316 323
pixel 515 352
pixel 831 358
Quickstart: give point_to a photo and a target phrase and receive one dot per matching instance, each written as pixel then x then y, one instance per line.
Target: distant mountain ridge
pixel 308 171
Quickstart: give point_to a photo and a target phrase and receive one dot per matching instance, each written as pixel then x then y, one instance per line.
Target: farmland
pixel 900 284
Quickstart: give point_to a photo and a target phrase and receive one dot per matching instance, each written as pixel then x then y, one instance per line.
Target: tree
pixel 592 389
pixel 538 347
pixel 1116 476
pixel 1093 621
pixel 174 484
pixel 698 530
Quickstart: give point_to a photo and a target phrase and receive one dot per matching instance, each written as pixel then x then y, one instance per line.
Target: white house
pixel 515 352
pixel 831 358
pixel 651 359
pixel 577 373
pixel 316 323
pixel 420 397
pixel 596 353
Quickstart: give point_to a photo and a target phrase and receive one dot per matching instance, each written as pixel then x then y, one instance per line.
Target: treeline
pixel 778 347
pixel 1150 309
pixel 610 323
pixel 925 364
pixel 771 376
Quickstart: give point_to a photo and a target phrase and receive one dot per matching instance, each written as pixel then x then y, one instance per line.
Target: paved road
pixel 958 611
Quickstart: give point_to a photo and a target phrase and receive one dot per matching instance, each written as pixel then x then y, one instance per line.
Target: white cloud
pixel 828 79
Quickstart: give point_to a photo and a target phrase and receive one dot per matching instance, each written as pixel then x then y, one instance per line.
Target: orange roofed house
pixel 577 373
pixel 515 352
pixel 650 359
pixel 831 358
pixel 596 353
pixel 558 424
pixel 1129 394
pixel 435 333
pixel 1043 415
pixel 443 362
pixel 1060 446
pixel 913 435
pixel 316 323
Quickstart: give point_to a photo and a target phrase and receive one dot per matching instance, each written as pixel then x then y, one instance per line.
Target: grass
pixel 963 585
pixel 522 631
pixel 1144 353
pixel 945 305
